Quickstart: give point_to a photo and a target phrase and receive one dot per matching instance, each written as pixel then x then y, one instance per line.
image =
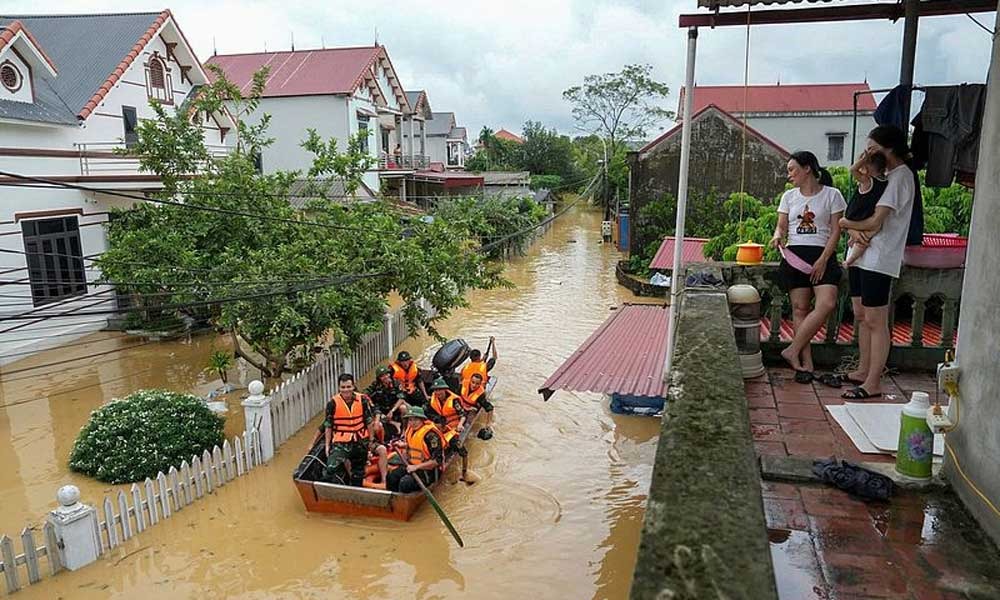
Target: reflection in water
pixel 557 513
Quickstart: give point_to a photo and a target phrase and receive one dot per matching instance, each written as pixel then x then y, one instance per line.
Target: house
pixel 447 143
pixel 338 92
pixel 73 89
pixel 814 117
pixel 505 135
pixel 718 167
pixel 507 183
pixel 415 140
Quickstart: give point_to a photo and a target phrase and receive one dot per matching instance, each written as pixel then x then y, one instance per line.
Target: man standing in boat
pixel 389 401
pixel 422 446
pixel 478 365
pixel 407 375
pixel 347 435
pixel 474 398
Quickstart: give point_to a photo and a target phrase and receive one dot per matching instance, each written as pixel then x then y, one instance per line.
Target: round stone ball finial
pixel 68 495
pixel 256 388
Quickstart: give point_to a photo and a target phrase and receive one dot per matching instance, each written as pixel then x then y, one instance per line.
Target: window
pixel 55 259
pixel 385 141
pixel 835 146
pixel 363 133
pixel 158 84
pixel 10 77
pixel 130 122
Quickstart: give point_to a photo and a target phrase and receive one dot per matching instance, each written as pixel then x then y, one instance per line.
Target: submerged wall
pixel 704 534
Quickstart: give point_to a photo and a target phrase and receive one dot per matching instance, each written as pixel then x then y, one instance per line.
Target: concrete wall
pixel 809 133
pixel 291 117
pixel 976 442
pixel 437 149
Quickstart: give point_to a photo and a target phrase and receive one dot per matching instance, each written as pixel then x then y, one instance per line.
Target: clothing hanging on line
pixel 892 109
pixel 946 133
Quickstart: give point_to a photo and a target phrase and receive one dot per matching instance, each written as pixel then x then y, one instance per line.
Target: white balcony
pixel 106 158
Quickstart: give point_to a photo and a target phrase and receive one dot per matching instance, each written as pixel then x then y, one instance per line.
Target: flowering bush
pixel 146 432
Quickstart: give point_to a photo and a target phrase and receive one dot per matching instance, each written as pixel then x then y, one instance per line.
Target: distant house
pixel 447 143
pixel 503 134
pixel 507 183
pixel 814 117
pixel 717 166
pixel 73 89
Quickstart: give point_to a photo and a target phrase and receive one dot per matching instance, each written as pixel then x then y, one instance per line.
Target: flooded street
pixel 557 513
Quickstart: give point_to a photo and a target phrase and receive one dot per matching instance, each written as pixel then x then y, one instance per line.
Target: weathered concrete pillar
pixel 919 307
pixel 257 412
pixel 76 529
pixel 975 444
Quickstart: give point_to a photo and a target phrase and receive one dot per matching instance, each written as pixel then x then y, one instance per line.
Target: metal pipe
pixel 682 195
pixel 911 10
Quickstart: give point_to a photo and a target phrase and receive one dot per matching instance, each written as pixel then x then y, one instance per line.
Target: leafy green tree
pixel 494 154
pixel 545 152
pixel 279 286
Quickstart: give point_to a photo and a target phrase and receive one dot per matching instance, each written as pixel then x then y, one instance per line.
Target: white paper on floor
pixel 879 424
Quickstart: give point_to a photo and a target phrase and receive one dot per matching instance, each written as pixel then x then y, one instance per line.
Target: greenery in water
pixel 147 432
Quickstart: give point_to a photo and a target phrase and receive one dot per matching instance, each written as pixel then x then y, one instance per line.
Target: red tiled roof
pixel 624 356
pixel 676 129
pixel 503 134
pixel 12 29
pixel 781 98
pixel 302 72
pixel 123 66
pixel 692 250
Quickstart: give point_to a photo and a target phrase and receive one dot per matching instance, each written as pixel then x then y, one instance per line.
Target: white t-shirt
pixel 809 216
pixel 885 253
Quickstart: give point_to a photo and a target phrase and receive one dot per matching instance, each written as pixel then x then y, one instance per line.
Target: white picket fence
pixel 128 515
pixel 297 400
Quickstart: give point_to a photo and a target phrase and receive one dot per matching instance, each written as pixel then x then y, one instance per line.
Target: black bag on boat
pixel 450 355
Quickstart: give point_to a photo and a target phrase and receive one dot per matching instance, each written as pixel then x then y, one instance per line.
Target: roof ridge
pixel 74 15
pixel 298 51
pixel 782 85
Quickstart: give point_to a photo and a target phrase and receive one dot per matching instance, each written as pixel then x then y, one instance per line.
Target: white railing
pixel 298 400
pixel 417 161
pixel 101 158
pixel 121 518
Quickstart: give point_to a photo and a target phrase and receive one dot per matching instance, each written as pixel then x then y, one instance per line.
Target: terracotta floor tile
pixel 804 426
pixel 829 502
pixel 846 536
pixel 764 415
pixel 866 575
pixel 785 513
pixel 775 489
pixel 766 432
pixel 770 448
pixel 760 401
pixel 801 411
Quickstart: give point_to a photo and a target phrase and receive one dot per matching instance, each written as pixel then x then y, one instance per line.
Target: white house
pixel 73 88
pixel 447 143
pixel 814 117
pixel 339 92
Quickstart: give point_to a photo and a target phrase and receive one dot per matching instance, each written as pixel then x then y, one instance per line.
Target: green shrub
pixel 144 433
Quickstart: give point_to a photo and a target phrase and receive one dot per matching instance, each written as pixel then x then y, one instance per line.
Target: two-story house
pixel 73 89
pixel 339 92
pixel 814 117
pixel 447 143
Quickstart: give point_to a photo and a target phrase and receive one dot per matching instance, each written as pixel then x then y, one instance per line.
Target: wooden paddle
pixel 439 510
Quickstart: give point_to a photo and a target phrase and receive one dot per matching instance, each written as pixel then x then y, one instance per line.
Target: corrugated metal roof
pixel 86 50
pixel 457 133
pixel 624 356
pixel 692 250
pixel 302 72
pixel 733 3
pixel 781 98
pixel 705 113
pixel 441 123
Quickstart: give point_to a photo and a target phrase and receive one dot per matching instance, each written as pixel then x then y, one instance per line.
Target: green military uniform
pixel 354 451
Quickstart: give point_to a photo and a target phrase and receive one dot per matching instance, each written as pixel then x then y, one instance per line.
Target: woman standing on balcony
pixel 871 276
pixel 815 207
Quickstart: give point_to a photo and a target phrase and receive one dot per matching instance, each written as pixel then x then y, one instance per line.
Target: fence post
pixel 348 364
pixel 257 413
pixel 75 526
pixel 389 342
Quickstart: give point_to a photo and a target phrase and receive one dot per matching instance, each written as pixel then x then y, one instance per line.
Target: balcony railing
pixel 103 158
pixel 405 162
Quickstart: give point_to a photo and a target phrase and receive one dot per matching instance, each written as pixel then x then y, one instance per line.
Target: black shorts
pixel 792 278
pixel 872 287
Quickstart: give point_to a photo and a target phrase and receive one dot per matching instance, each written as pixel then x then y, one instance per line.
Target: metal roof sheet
pixel 625 355
pixel 692 250
pixel 86 50
pixel 441 123
pixel 301 72
pixel 782 98
pixel 732 3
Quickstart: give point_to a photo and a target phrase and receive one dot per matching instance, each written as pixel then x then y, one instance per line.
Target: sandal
pixel 831 380
pixel 859 393
pixel 804 376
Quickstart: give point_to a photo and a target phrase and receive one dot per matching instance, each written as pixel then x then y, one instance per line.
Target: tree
pixel 282 282
pixel 545 152
pixel 618 107
pixel 494 154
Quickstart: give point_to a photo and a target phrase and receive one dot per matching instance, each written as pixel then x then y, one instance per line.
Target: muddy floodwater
pixel 557 512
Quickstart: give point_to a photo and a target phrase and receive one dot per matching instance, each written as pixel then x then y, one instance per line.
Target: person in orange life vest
pixel 445 409
pixel 477 365
pixel 406 373
pixel 422 446
pixel 474 398
pixel 347 435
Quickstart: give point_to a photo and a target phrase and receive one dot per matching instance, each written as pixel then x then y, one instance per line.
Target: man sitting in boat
pixel 407 375
pixel 347 437
pixel 445 409
pixel 423 447
pixel 389 401
pixel 478 365
pixel 474 398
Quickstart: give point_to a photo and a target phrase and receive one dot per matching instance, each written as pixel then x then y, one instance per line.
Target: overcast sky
pixel 501 63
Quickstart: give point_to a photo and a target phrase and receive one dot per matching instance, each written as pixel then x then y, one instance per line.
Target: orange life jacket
pixel 470 400
pixel 349 421
pixel 472 368
pixel 447 409
pixel 407 378
pixel 416 442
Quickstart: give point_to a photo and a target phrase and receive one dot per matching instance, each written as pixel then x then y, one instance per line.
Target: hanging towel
pixel 892 110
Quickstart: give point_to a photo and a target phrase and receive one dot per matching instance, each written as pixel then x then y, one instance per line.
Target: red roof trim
pixel 750 131
pixel 815 97
pixel 11 31
pixel 503 134
pixel 123 66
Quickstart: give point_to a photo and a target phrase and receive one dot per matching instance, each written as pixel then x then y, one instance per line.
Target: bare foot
pixel 857 375
pixel 791 358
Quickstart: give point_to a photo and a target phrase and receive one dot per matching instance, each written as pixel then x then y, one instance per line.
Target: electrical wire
pixel 70 360
pixel 542 223
pixel 981 26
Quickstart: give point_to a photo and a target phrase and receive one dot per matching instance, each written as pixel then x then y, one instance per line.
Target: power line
pixel 69 360
pixel 981 26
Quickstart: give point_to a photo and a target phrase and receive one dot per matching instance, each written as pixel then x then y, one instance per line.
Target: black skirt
pixel 792 278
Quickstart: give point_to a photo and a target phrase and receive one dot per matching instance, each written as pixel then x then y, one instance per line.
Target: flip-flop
pixel 858 393
pixel 804 376
pixel 831 380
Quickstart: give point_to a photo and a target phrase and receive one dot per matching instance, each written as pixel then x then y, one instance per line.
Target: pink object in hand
pixel 794 261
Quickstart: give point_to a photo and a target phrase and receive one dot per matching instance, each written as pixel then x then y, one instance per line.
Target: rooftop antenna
pixel 293 41
pixel 322 42
pixel 215 49
pixel 265 46
pixel 376 36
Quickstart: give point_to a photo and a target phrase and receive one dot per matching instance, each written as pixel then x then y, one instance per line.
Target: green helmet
pixel 404 355
pixel 417 412
pixel 440 384
pixel 382 370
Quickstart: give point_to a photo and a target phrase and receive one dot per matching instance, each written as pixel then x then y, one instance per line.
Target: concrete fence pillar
pixel 257 413
pixel 75 526
pixel 389 342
